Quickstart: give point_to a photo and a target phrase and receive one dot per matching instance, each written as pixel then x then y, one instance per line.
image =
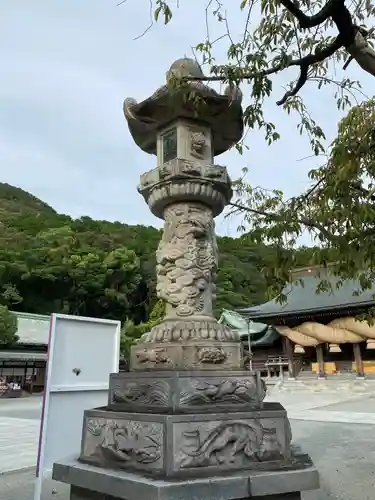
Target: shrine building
pixel 319 331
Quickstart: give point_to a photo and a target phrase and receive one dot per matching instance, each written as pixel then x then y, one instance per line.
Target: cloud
pixel 66 68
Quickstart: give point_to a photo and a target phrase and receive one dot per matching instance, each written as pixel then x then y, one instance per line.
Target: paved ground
pixel 19 431
pixel 354 406
pixel 343 452
pixel 20 486
pixel 25 408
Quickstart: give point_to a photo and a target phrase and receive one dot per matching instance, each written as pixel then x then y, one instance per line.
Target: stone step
pixel 339 380
pixel 338 376
pixel 323 384
pixel 327 390
pixel 335 382
pixel 355 386
pixel 327 382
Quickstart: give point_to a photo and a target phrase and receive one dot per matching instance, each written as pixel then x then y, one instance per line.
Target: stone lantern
pixel 187 421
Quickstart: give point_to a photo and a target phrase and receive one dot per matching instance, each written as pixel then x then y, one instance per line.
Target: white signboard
pixel 82 352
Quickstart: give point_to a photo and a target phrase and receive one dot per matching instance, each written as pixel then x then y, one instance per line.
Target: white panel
pixel 65 418
pixel 86 345
pixel 92 347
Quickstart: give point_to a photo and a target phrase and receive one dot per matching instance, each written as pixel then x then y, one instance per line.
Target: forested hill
pixel 52 263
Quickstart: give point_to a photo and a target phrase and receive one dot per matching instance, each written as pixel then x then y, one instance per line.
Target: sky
pixel 66 67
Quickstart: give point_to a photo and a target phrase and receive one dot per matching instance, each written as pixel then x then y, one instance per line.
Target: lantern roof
pixel 190 100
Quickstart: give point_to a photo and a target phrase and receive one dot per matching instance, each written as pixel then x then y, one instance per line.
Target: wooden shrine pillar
pixel 32 379
pixel 358 360
pixel 320 360
pixel 281 371
pixel 288 347
pixel 24 375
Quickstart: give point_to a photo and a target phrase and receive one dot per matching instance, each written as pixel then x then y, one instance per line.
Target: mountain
pixel 22 215
pixel 15 200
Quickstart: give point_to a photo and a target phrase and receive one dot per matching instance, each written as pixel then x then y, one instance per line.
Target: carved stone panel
pixel 187 445
pixel 186 391
pixel 123 443
pixel 200 355
pixel 183 330
pixel 141 393
pixel 179 169
pixel 156 356
pixel 237 393
pixel 180 181
pixel 232 444
pixel 213 355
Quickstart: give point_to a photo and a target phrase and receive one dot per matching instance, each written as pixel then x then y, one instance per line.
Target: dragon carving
pixel 239 391
pixel 226 442
pixel 187 259
pixel 122 443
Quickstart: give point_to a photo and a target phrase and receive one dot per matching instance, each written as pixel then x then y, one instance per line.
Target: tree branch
pixel 353 37
pixel 273 215
pixel 350 36
pixel 305 62
pixel 305 21
pixel 340 15
pixel 335 9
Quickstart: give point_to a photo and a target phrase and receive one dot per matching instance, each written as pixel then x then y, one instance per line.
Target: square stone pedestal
pixel 94 483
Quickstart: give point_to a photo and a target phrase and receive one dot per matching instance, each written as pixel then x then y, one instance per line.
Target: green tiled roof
pixel 260 334
pixel 32 328
pixel 268 339
pixel 304 299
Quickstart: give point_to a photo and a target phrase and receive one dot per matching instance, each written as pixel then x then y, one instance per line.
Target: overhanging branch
pixel 305 21
pixel 353 37
pixel 310 223
pixel 306 62
pixel 350 36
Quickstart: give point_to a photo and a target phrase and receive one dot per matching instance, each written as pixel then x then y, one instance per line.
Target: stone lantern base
pixel 190 434
pixel 93 483
pixel 187 424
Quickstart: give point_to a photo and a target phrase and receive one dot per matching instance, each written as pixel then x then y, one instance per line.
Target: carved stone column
pixel 187 410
